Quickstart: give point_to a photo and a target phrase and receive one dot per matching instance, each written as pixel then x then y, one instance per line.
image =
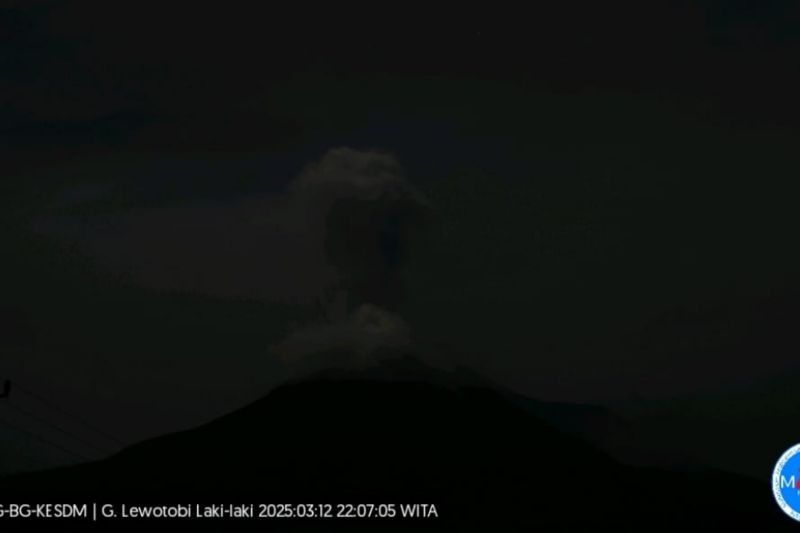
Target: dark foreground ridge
pixel 486 462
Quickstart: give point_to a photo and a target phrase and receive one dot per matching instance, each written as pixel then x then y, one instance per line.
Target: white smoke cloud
pixel 271 248
pixel 347 173
pixel 360 334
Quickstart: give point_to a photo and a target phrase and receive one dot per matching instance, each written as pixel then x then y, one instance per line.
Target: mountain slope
pixel 484 461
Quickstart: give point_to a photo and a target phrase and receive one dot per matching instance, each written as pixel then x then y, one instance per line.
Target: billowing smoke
pixel 333 242
pixel 354 337
pixel 371 213
pixel 343 223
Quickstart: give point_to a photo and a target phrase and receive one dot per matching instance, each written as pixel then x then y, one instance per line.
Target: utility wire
pixel 43 440
pixel 54 406
pixel 54 427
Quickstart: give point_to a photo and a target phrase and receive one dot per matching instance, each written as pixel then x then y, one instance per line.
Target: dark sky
pixel 586 200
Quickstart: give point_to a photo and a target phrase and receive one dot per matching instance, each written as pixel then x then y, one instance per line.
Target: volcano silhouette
pixel 410 436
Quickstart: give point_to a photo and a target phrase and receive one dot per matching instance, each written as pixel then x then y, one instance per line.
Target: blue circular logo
pixel 786 482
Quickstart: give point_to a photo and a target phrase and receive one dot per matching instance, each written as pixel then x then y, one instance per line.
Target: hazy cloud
pixel 360 334
pixel 341 223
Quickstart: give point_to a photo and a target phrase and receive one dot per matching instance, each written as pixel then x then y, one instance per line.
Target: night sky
pixel 587 201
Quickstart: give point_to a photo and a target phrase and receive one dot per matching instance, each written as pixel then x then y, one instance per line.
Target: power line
pixel 43 440
pixel 20 452
pixel 54 427
pixel 61 410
